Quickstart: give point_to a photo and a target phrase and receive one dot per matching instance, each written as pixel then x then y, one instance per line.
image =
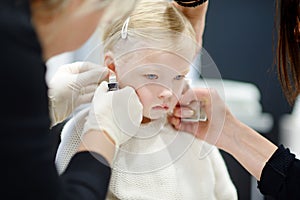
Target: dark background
pixel 239 38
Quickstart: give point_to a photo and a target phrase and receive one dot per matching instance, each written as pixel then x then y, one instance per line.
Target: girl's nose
pixel 165 93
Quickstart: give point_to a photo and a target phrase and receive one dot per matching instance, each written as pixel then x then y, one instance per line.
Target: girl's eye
pixel 151 76
pixel 179 77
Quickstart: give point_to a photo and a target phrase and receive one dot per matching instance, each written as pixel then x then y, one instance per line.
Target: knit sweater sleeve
pixel 280 177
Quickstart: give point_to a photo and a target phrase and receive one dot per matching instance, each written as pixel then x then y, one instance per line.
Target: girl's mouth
pixel 161 107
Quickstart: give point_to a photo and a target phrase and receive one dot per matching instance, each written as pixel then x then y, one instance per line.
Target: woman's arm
pixel 197 16
pixel 280 176
pixel 225 131
pixel 250 148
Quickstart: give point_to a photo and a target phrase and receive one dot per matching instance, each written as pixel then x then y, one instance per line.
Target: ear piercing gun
pixel 113 85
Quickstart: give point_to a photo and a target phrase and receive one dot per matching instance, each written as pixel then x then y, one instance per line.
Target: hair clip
pixel 124 31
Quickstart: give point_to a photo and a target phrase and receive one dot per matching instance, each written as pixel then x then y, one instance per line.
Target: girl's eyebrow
pixel 154 67
pixel 186 71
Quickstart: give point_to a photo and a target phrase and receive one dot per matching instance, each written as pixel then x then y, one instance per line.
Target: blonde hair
pixel 153 14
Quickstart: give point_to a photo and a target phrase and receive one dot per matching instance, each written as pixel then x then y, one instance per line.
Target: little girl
pixel 151 50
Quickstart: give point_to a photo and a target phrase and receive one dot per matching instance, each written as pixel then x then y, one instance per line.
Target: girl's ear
pixel 109 61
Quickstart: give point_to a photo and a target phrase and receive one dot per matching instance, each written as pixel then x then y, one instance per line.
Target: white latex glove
pixel 72 85
pixel 118 113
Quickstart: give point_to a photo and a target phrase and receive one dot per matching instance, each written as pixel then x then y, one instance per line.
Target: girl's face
pixel 158 78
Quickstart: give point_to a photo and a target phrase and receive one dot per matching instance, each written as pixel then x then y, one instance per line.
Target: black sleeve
pixel 86 177
pixel 27 149
pixel 55 131
pixel 280 177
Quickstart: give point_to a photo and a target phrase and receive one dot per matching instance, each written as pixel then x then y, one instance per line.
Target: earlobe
pixel 109 61
pixel 111 67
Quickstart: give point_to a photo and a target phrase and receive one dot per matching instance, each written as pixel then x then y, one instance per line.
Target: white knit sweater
pixel 159 163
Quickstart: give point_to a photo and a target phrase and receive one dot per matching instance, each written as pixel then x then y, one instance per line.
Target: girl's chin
pixel 149 119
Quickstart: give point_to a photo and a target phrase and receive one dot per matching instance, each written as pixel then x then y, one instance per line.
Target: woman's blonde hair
pixel 150 15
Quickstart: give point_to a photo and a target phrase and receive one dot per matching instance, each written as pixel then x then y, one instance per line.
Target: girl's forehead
pixel 164 62
pixel 155 57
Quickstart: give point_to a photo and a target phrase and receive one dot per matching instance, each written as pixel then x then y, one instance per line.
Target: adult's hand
pixel 72 85
pixel 197 16
pixel 223 130
pixel 116 113
pixel 216 130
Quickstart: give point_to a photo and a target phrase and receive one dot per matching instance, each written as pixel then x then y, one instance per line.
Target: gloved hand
pixel 72 85
pixel 118 113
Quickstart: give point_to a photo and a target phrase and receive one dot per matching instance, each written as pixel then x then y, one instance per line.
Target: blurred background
pixel 239 38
